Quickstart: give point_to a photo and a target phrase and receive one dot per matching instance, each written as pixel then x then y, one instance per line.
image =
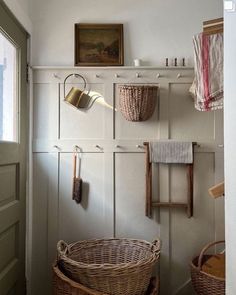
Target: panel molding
pixel 113 150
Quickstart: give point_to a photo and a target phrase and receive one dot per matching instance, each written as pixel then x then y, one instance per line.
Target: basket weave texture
pixel 137 102
pixel 62 285
pixel 204 283
pixel 112 266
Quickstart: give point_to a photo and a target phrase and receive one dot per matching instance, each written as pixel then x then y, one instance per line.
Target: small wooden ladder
pixel 150 204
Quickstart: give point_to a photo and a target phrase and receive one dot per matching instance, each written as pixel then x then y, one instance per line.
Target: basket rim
pixel 116 239
pixel 155 255
pixel 138 86
pixel 192 265
pixel 72 283
pixel 109 266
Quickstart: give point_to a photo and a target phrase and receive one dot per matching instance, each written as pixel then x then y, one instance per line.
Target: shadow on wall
pixel 85 195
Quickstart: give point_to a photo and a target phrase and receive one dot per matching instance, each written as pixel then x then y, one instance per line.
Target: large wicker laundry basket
pixel 205 283
pixel 137 102
pixel 112 266
pixel 62 285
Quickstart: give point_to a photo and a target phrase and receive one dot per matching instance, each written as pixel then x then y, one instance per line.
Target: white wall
pixel 21 10
pixel 25 4
pixel 153 29
pixel 230 148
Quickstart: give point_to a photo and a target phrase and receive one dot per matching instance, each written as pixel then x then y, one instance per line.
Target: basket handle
pixel 204 250
pixel 156 246
pixel 62 248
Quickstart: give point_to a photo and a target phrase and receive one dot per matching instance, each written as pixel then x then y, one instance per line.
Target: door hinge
pixel 27 73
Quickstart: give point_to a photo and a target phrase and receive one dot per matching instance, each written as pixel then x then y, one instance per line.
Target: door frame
pixel 23 78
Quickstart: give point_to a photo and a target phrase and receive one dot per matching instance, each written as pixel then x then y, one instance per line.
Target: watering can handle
pixel 77 76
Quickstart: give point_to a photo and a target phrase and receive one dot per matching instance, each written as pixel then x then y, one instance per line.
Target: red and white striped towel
pixel 207 88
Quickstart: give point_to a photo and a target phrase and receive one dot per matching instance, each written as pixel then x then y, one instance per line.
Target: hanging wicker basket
pixel 137 102
pixel 112 266
pixel 205 283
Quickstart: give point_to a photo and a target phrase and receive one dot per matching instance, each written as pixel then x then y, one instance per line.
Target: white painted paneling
pixel 40 224
pixel 82 124
pixel 130 219
pixel 88 219
pixel 114 173
pixel 44 227
pixel 188 236
pixel 197 126
pixel 45 111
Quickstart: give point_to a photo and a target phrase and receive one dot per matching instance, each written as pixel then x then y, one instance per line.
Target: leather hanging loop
pixel 77 181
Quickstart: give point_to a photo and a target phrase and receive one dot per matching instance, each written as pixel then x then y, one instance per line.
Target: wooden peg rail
pixel 150 204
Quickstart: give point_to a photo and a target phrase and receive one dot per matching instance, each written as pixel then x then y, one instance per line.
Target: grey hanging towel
pixel 171 152
pixel 77 181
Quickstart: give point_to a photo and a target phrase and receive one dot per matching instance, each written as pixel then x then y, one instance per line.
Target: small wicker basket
pixel 204 283
pixel 112 266
pixel 137 102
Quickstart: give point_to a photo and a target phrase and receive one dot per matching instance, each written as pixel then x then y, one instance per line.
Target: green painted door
pixel 13 151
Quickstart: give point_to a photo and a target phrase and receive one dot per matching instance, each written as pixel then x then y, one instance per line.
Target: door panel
pixel 8 246
pixel 13 130
pixel 8 184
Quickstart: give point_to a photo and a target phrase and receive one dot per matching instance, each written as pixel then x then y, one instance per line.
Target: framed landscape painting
pixel 99 45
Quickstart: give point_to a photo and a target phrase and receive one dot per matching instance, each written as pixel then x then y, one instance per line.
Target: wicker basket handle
pixel 156 246
pixel 204 250
pixel 62 248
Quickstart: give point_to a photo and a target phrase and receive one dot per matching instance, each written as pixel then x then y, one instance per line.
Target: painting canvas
pixel 99 44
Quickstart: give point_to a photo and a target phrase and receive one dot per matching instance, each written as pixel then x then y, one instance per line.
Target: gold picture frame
pixel 99 45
